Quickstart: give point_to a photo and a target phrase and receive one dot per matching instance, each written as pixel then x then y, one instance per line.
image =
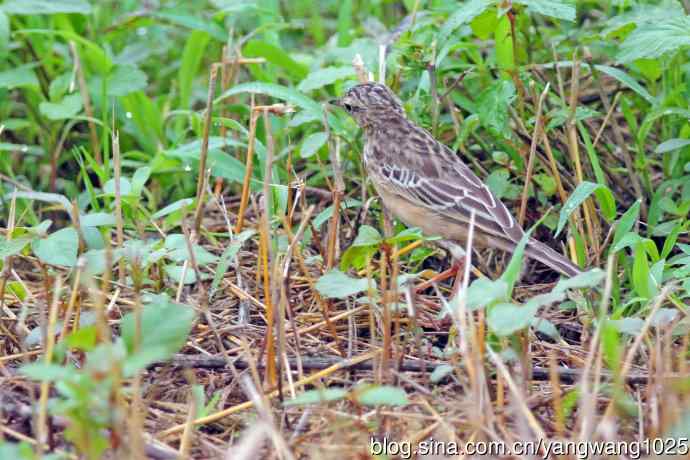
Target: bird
pixel 423 183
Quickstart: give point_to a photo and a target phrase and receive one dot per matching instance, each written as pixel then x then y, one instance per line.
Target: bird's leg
pixel 454 270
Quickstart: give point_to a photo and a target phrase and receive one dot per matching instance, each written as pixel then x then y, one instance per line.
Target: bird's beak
pixel 335 102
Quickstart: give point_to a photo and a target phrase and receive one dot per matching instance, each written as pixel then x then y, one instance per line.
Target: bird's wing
pixel 426 172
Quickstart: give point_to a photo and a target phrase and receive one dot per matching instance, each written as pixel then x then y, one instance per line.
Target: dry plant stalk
pixel 119 223
pixel 201 180
pixel 86 98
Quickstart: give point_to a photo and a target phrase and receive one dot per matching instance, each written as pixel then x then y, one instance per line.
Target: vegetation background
pixel 194 265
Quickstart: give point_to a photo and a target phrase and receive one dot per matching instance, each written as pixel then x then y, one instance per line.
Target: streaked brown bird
pixel 426 185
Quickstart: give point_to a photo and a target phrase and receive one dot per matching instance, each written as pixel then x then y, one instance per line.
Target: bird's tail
pixel 544 254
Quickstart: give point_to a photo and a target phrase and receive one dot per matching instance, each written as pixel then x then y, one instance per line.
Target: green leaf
pixel 493 105
pixel 630 326
pixel 377 395
pixel 512 271
pixel 325 76
pixel 579 195
pixel 588 279
pixel 317 396
pixel 176 206
pixel 227 256
pixel 559 9
pixel 68 107
pixel 125 187
pixel 289 95
pixel 627 80
pixel 176 272
pixel 165 326
pixel 59 248
pixel 641 277
pixel 47 372
pixel 139 179
pixel 650 41
pixel 484 291
pixel 45 6
pixel 126 79
pixel 506 318
pixel 505 56
pixel 197 24
pixel 336 284
pixel 12 247
pixel 4 32
pixel 367 236
pixel 191 61
pixel 97 219
pixel 626 222
pixel 275 55
pixel 176 244
pixel 312 144
pixel 464 14
pixel 671 145
pixel 18 77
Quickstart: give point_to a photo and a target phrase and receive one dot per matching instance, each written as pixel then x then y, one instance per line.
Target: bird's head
pixel 370 104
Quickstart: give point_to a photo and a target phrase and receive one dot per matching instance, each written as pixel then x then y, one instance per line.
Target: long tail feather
pixel 544 254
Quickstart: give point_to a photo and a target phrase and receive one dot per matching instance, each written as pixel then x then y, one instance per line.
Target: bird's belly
pixel 430 222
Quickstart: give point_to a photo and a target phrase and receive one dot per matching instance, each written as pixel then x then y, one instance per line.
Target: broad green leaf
pixel 125 187
pixel 12 247
pixel 289 95
pixel 642 14
pixel 630 326
pixel 323 77
pixel 191 61
pixel 44 372
pixel 367 236
pixel 627 80
pixel 336 284
pixel 317 396
pixel 59 248
pixel 68 107
pixel 464 14
pixel 588 279
pixel 650 41
pixel 165 326
pixel 176 272
pixel 97 219
pixel 559 9
pixel 126 79
pixel 671 145
pixel 45 6
pixel 506 318
pixel 505 54
pixel 484 291
pixel 19 77
pixel 176 244
pixel 275 55
pixel 377 395
pixel 493 105
pixel 641 277
pixel 313 143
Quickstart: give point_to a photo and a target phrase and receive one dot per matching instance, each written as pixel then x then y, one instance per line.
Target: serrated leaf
pixel 465 13
pixel 493 105
pixel 325 76
pixel 559 9
pixel 650 41
pixel 338 285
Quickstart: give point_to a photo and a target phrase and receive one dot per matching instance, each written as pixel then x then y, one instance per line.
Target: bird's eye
pixel 347 107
